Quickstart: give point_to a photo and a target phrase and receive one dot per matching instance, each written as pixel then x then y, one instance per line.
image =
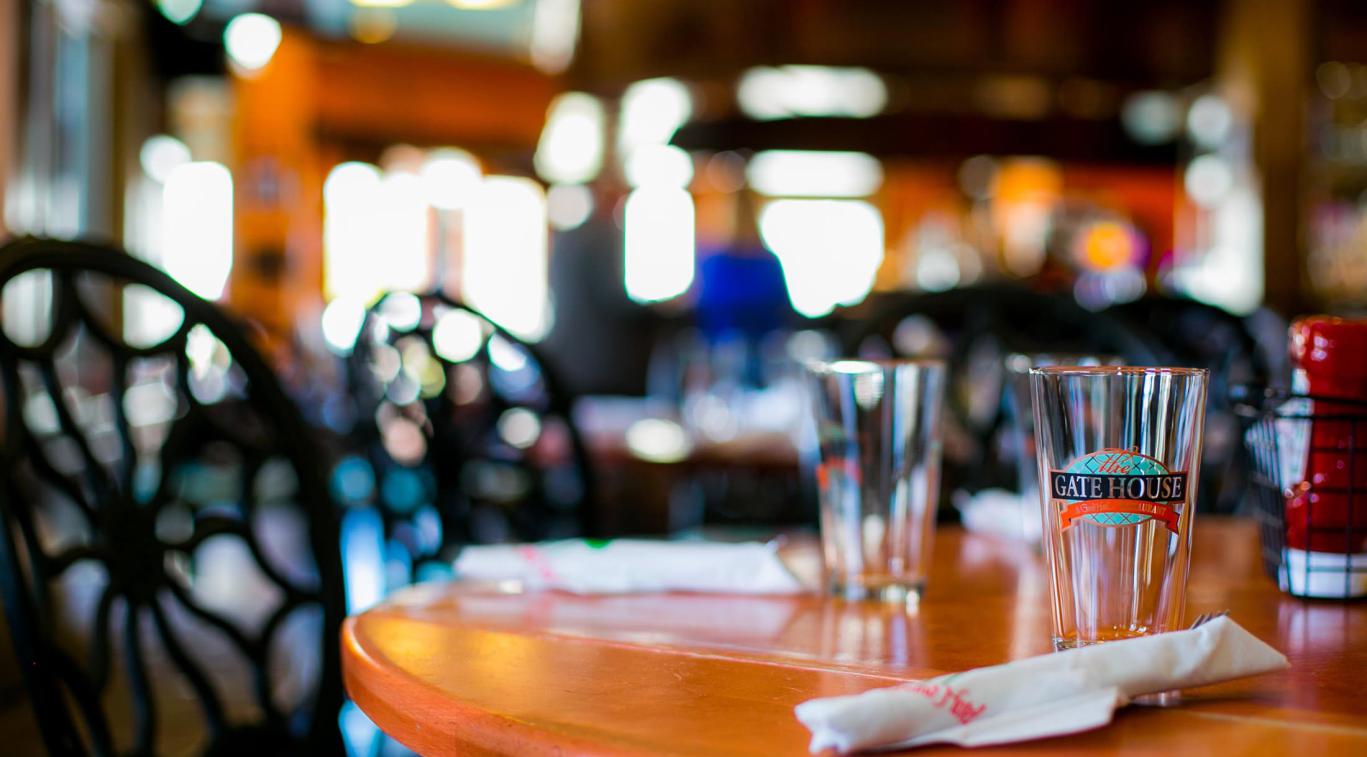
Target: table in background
pixel 450 669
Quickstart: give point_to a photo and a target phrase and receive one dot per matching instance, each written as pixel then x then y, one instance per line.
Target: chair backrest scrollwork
pixel 170 561
pixel 466 435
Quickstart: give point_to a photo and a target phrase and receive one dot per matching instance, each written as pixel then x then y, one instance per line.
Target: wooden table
pixel 448 669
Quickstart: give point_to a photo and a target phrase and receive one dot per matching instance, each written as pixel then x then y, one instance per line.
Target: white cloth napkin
pixel 1049 695
pixel 622 566
pixel 1000 513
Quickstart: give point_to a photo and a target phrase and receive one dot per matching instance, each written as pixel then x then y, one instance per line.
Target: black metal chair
pixel 169 560
pixel 974 329
pixel 466 435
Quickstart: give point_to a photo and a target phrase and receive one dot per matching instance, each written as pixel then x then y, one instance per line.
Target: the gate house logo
pixel 1116 487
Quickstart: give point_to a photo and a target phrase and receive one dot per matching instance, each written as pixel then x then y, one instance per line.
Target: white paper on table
pixel 1050 695
pixel 1002 513
pixel 621 566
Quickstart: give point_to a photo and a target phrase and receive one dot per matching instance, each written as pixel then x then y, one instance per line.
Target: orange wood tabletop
pixel 452 669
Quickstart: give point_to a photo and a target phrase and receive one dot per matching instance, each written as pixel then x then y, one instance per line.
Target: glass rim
pixel 869 365
pixel 1013 360
pixel 1116 370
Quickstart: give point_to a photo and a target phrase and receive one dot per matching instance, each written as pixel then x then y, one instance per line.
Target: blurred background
pixel 539 268
pixel 673 204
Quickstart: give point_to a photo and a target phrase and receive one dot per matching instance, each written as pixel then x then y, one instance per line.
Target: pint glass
pixel 878 432
pixel 1118 451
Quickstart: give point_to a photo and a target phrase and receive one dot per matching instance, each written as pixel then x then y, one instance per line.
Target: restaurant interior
pixel 303 298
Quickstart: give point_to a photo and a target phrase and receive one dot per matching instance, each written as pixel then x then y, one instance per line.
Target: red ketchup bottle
pixel 1326 505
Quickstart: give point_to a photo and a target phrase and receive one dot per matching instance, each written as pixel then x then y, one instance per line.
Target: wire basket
pixel 1308 461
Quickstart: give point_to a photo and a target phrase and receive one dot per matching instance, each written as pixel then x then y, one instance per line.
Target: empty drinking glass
pixel 1119 450
pixel 878 433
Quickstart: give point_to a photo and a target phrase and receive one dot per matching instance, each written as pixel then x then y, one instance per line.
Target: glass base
pixel 908 594
pixel 1066 642
pixel 1161 699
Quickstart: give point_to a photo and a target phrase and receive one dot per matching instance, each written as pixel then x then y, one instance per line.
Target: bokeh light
pixel 160 155
pixel 251 40
pixel 805 235
pixel 651 111
pixel 450 178
pixel 658 440
pixel 767 93
pixel 457 336
pixel 658 243
pixel 504 269
pixel 571 147
pixel 341 324
pixel 519 427
pixel 568 206
pixel 811 173
pixel 198 227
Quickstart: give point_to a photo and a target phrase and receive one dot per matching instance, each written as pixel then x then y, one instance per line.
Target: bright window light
pixel 251 40
pixel 401 234
pixel 162 154
pixel 658 245
pixel 767 93
pixel 349 196
pixel 803 173
pixel 1228 272
pixel 351 183
pixel 450 178
pixel 376 234
pixel 148 317
pixel 198 231
pixel 652 110
pixel 571 146
pixel 26 304
pixel 830 250
pixel 659 166
pixel 504 269
pixel 342 319
pixel 555 34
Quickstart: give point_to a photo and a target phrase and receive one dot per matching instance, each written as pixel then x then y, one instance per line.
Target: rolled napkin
pixel 1049 695
pixel 622 566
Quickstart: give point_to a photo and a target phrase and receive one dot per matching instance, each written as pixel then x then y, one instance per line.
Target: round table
pixel 453 669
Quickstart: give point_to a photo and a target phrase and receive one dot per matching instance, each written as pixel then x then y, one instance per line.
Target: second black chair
pixel 463 436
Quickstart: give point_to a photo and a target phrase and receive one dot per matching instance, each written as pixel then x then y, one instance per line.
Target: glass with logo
pixel 878 435
pixel 1118 450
